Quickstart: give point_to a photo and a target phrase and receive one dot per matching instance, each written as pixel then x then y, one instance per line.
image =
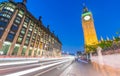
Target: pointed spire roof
pixel 85 9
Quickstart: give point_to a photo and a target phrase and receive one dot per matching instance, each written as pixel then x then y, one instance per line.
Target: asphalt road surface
pixel 64 67
pixel 75 69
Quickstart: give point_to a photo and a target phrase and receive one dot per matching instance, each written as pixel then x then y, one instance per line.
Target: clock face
pixel 87 18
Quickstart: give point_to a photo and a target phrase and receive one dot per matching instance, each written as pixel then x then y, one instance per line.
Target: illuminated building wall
pixel 90 37
pixel 21 34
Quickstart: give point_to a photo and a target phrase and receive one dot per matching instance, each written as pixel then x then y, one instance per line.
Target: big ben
pixel 90 37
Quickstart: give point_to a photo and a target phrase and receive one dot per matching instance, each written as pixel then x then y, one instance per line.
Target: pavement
pixel 80 68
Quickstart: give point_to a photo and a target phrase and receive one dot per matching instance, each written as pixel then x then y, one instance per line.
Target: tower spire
pixel 85 9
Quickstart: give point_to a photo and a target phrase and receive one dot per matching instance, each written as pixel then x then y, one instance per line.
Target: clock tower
pixel 90 37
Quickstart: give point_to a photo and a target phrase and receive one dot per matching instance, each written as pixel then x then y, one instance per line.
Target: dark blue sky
pixel 64 17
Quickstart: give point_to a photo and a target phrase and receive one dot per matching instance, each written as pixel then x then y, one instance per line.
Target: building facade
pixel 21 34
pixel 90 37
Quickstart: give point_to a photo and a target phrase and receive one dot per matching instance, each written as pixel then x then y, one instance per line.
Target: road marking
pixel 47 70
pixel 25 62
pixel 23 66
pixel 15 63
pixel 35 69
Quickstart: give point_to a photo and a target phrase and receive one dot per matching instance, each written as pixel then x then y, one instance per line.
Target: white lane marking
pixel 34 69
pixel 46 71
pixel 25 62
pixel 14 63
pixel 82 61
pixel 23 66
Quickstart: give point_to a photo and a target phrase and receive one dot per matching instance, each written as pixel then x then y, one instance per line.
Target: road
pixel 61 67
pixel 32 69
pixel 75 69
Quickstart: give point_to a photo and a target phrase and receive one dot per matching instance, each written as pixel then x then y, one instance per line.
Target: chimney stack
pixel 24 2
pixel 40 17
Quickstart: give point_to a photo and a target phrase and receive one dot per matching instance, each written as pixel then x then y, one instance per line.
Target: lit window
pixel 32 24
pixel 27 19
pixel 33 37
pixel 20 15
pixel 17 21
pixel 30 28
pixel 23 32
pixel 10 9
pixel 6 15
pixel 39 33
pixel 21 12
pixel 25 24
pixel 28 35
pixel 11 5
pixel 19 39
pixel 27 41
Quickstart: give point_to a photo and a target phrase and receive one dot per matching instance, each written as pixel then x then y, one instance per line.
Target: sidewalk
pixel 80 69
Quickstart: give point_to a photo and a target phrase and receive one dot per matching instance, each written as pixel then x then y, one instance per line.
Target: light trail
pixel 16 63
pixel 36 69
pixel 44 63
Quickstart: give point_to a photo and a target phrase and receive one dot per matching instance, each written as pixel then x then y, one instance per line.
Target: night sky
pixel 64 17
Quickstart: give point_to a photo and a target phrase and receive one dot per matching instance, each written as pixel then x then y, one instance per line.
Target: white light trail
pixel 35 69
pixel 16 63
pixel 23 66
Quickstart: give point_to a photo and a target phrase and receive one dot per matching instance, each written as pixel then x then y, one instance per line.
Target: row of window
pixel 15 26
pixel 11 5
pixel 7 12
pixel 23 31
pixel 6 15
pixel 20 13
pixel 3 24
pixel 9 8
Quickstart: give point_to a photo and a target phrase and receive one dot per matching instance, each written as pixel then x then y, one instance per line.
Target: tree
pixel 90 48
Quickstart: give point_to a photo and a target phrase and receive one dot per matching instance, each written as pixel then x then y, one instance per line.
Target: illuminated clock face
pixel 87 18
